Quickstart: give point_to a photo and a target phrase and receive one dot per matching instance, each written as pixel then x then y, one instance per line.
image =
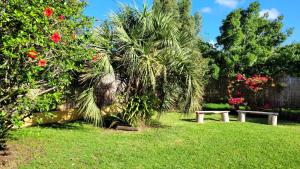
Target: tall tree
pixel 166 6
pixel 181 11
pixel 247 39
pixel 198 22
pixel 187 21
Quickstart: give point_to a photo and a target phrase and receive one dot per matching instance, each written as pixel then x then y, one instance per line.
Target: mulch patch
pixel 17 154
pixel 8 158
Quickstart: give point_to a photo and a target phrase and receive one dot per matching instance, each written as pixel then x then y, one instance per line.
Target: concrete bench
pixel 200 115
pixel 272 117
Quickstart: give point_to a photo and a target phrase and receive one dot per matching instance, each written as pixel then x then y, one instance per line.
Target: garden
pixel 123 94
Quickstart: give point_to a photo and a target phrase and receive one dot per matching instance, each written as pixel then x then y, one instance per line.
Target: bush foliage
pixel 42 45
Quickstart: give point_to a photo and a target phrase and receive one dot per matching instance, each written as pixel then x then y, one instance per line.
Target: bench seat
pixel 200 115
pixel 259 112
pixel 211 112
pixel 272 116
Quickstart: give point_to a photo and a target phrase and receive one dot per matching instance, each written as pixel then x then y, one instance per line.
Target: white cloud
pixel 212 42
pixel 228 3
pixel 206 10
pixel 273 13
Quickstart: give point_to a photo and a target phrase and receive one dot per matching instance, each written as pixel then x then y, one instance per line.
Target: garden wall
pixel 286 95
pixel 52 117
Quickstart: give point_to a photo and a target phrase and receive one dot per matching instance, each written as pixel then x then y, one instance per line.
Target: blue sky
pixel 213 12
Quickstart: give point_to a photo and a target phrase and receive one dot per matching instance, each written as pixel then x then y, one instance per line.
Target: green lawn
pixel 178 143
pixel 219 106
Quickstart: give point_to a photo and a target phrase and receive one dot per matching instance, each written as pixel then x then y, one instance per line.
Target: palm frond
pixel 88 107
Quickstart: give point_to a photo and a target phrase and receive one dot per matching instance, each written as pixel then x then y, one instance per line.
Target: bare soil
pixel 17 154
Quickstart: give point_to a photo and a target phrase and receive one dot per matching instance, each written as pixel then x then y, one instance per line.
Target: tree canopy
pixel 248 40
pixel 181 12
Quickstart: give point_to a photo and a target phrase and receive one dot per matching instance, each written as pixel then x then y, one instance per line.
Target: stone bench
pixel 272 117
pixel 200 115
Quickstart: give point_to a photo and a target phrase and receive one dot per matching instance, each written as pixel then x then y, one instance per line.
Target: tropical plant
pixel 149 54
pixel 98 81
pixel 138 112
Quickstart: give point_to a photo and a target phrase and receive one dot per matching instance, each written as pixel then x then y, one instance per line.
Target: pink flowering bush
pixel 249 87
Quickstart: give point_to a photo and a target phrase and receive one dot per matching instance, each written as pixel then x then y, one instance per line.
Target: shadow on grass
pixel 154 123
pixel 288 123
pixel 261 119
pixel 206 118
pixel 77 125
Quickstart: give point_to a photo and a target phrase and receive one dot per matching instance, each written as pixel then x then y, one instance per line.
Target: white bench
pixel 272 117
pixel 200 115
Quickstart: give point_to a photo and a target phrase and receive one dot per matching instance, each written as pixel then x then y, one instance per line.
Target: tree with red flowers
pixel 42 45
pixel 242 87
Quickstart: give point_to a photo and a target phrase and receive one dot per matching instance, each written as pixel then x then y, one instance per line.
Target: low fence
pixel 285 96
pixel 52 117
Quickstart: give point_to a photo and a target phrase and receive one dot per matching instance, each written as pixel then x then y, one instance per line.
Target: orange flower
pixel 94 58
pixel 32 54
pixel 48 12
pixel 55 37
pixel 42 63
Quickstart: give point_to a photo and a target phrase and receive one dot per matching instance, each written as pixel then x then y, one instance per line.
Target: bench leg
pixel 242 117
pixel 200 118
pixel 225 117
pixel 272 120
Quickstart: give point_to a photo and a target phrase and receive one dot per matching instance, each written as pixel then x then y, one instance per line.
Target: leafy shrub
pixel 138 111
pixel 42 46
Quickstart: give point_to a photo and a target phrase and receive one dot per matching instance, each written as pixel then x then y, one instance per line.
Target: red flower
pixel 55 37
pixel 94 58
pixel 254 88
pixel 48 12
pixel 61 17
pixel 42 63
pixel 234 101
pixel 240 77
pixel 32 54
pixel 264 79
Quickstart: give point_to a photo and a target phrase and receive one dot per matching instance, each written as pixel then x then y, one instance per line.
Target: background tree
pixel 185 19
pixel 181 12
pixel 198 22
pixel 166 6
pixel 248 40
pixel 286 60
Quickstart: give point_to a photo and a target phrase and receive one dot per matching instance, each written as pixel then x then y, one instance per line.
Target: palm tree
pixel 148 53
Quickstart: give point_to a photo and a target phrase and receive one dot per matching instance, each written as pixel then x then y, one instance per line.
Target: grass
pixel 178 143
pixel 216 106
pixel 219 106
pixel 292 111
